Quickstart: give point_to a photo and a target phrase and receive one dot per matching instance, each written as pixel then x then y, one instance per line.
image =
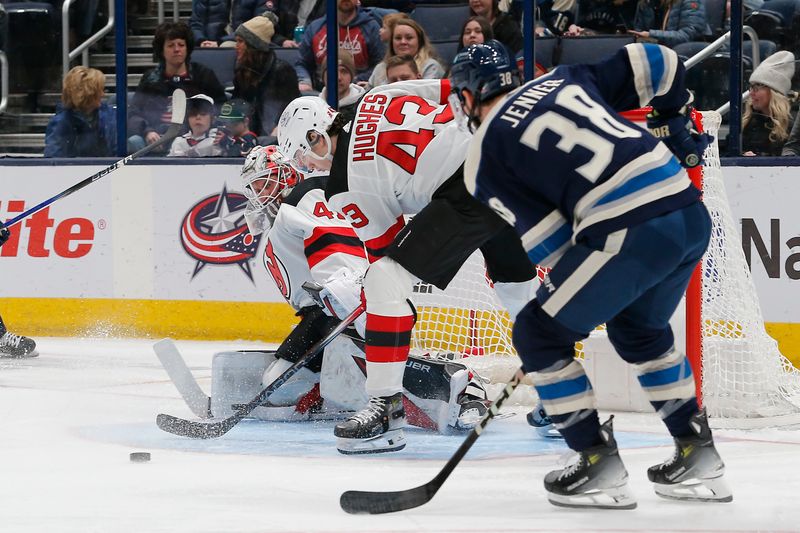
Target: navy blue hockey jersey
pixel 557 161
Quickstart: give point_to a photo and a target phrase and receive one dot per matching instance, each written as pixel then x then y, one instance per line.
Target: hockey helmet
pixel 303 124
pixel 485 70
pixel 267 178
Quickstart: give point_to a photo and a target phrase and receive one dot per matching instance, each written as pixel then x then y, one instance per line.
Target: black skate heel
pixel 596 480
pixel 695 470
pixel 377 428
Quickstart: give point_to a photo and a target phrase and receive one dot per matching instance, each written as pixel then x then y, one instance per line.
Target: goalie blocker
pixel 438 394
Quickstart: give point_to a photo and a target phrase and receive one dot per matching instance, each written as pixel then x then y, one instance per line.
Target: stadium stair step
pixel 109 60
pixel 22 142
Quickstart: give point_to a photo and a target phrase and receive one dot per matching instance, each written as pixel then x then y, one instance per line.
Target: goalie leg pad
pixel 236 378
pixel 295 388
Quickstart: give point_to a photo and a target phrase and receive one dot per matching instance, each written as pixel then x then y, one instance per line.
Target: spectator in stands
pixel 209 21
pixel 233 134
pixel 409 39
pixel 792 146
pixel 505 28
pixel 84 125
pixel 680 21
pixel 401 68
pixel 476 30
pixel 387 26
pixel 149 112
pixel 260 78
pixel 603 17
pixel 199 141
pixel 358 32
pixel 349 92
pixel 290 14
pixel 767 113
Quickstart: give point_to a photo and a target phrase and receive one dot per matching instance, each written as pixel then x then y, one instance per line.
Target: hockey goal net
pixel 744 380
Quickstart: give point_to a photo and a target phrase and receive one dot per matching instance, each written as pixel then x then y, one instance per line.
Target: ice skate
pixel 694 472
pixel 544 426
pixel 472 410
pixel 597 479
pixel 17 346
pixel 375 429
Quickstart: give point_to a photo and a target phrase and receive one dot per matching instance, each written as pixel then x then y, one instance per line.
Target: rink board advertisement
pixel 176 233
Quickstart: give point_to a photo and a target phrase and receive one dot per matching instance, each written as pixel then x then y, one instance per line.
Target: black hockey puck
pixel 140 457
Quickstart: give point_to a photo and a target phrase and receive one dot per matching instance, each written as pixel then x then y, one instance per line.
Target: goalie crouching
pixel 317 263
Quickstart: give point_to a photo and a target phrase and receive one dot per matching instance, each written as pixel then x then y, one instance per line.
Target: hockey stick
pixel 212 430
pixel 197 400
pixel 176 123
pixel 366 502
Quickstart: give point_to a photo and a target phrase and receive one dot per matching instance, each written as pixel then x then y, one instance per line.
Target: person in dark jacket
pixel 149 112
pixel 359 33
pixel 505 28
pixel 291 14
pixel 260 78
pixel 670 22
pixel 84 125
pixel 208 21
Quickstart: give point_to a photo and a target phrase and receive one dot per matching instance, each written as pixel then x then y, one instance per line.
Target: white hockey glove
pixel 341 294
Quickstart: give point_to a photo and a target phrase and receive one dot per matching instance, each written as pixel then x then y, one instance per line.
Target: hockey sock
pixel 388 340
pixel 568 398
pixel 669 384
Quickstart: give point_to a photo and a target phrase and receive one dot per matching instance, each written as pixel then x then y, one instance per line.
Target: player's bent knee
pixel 541 342
pixel 387 283
pixel 636 344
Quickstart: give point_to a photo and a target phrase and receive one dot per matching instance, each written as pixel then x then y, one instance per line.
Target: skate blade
pixel 613 498
pixel 696 490
pixel 391 441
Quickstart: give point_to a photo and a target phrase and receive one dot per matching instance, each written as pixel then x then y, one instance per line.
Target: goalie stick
pixel 172 361
pixel 214 429
pixel 176 123
pixel 366 502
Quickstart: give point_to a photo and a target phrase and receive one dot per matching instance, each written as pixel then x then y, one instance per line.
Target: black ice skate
pixel 597 479
pixel 471 411
pixel 694 472
pixel 17 346
pixel 376 428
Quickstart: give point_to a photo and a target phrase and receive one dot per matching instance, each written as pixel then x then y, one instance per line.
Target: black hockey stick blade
pixel 214 429
pixel 176 123
pixel 367 502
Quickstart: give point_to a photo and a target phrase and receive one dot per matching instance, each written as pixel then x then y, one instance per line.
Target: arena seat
pixel 290 55
pixel 442 22
pixel 590 49
pixel 545 51
pixel 220 60
pixel 34 38
pixel 447 51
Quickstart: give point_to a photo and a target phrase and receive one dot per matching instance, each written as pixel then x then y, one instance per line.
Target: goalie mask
pixel 267 178
pixel 303 125
pixel 485 71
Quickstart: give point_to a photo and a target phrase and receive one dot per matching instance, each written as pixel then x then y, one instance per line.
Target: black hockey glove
pixel 4 235
pixel 676 130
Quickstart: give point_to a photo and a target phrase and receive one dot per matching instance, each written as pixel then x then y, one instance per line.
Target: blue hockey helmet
pixel 485 70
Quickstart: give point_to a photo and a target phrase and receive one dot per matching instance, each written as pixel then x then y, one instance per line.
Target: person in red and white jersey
pixel 309 246
pixel 402 154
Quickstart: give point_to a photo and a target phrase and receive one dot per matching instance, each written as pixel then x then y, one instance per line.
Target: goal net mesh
pixel 746 381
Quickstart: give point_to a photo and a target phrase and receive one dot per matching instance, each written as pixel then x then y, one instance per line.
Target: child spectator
pixel 409 39
pixel 199 141
pixel 358 33
pixel 260 78
pixel 84 125
pixel 349 92
pixel 233 134
pixel 767 113
pixel 149 113
pixel 505 28
pixel 401 68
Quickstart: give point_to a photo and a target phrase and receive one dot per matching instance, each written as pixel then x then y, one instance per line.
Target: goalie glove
pixel 5 233
pixel 341 294
pixel 677 131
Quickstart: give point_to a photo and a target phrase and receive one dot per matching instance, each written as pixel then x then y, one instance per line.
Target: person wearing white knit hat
pixel 767 113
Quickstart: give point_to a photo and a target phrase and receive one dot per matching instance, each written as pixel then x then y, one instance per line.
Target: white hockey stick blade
pixel 178 106
pixel 172 361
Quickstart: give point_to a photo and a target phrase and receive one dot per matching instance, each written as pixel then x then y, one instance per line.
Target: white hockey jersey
pixel 308 242
pixel 403 144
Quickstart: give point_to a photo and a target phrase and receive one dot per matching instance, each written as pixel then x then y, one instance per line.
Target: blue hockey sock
pixel 669 384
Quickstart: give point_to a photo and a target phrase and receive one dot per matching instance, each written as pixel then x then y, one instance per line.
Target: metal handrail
pixel 175 13
pixel 83 48
pixel 4 81
pixel 722 41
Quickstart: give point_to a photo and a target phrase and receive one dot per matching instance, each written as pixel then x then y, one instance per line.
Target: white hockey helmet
pixel 267 178
pixel 304 121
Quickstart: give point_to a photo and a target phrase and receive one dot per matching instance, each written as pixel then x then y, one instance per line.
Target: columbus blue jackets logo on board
pixel 214 232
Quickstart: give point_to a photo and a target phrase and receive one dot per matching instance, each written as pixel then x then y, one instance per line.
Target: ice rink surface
pixel 70 418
